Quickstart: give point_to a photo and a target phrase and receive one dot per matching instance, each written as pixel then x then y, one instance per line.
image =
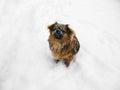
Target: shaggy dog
pixel 63 43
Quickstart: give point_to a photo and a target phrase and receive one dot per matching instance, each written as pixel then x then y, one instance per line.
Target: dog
pixel 63 42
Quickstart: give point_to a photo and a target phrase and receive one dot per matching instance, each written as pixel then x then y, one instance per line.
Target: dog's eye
pixel 63 30
pixel 53 29
pixel 56 28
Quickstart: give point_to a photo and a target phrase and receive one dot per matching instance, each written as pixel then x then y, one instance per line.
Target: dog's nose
pixel 58 31
pixel 58 34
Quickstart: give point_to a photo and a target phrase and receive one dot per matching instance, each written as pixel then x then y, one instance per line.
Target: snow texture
pixel 26 62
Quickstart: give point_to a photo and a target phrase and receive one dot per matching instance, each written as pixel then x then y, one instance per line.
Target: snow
pixel 26 62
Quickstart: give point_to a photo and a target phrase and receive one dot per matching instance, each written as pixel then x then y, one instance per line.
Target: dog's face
pixel 59 31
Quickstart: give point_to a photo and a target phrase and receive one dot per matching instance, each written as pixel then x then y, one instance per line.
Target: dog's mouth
pixel 58 33
pixel 58 36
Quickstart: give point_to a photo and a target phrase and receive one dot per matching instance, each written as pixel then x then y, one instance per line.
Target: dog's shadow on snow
pixel 51 62
pixel 76 64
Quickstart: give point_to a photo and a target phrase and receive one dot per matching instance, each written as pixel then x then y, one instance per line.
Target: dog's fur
pixel 66 47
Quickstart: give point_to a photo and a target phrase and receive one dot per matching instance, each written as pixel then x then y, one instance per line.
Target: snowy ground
pixel 26 62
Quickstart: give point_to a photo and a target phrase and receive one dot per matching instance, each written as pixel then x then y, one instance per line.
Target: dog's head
pixel 59 31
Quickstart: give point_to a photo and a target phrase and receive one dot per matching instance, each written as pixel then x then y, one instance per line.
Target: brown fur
pixel 65 48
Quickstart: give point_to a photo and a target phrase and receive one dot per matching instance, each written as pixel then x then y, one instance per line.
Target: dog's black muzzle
pixel 58 33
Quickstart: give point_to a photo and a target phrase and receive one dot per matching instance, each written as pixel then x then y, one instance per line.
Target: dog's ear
pixel 70 32
pixel 50 27
pixel 56 23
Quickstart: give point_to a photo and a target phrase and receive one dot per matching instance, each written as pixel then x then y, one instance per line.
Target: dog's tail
pixel 76 45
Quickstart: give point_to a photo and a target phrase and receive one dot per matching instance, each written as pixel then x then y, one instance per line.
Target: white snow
pixel 26 62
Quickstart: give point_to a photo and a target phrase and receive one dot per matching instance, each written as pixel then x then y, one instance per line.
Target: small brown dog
pixel 63 42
